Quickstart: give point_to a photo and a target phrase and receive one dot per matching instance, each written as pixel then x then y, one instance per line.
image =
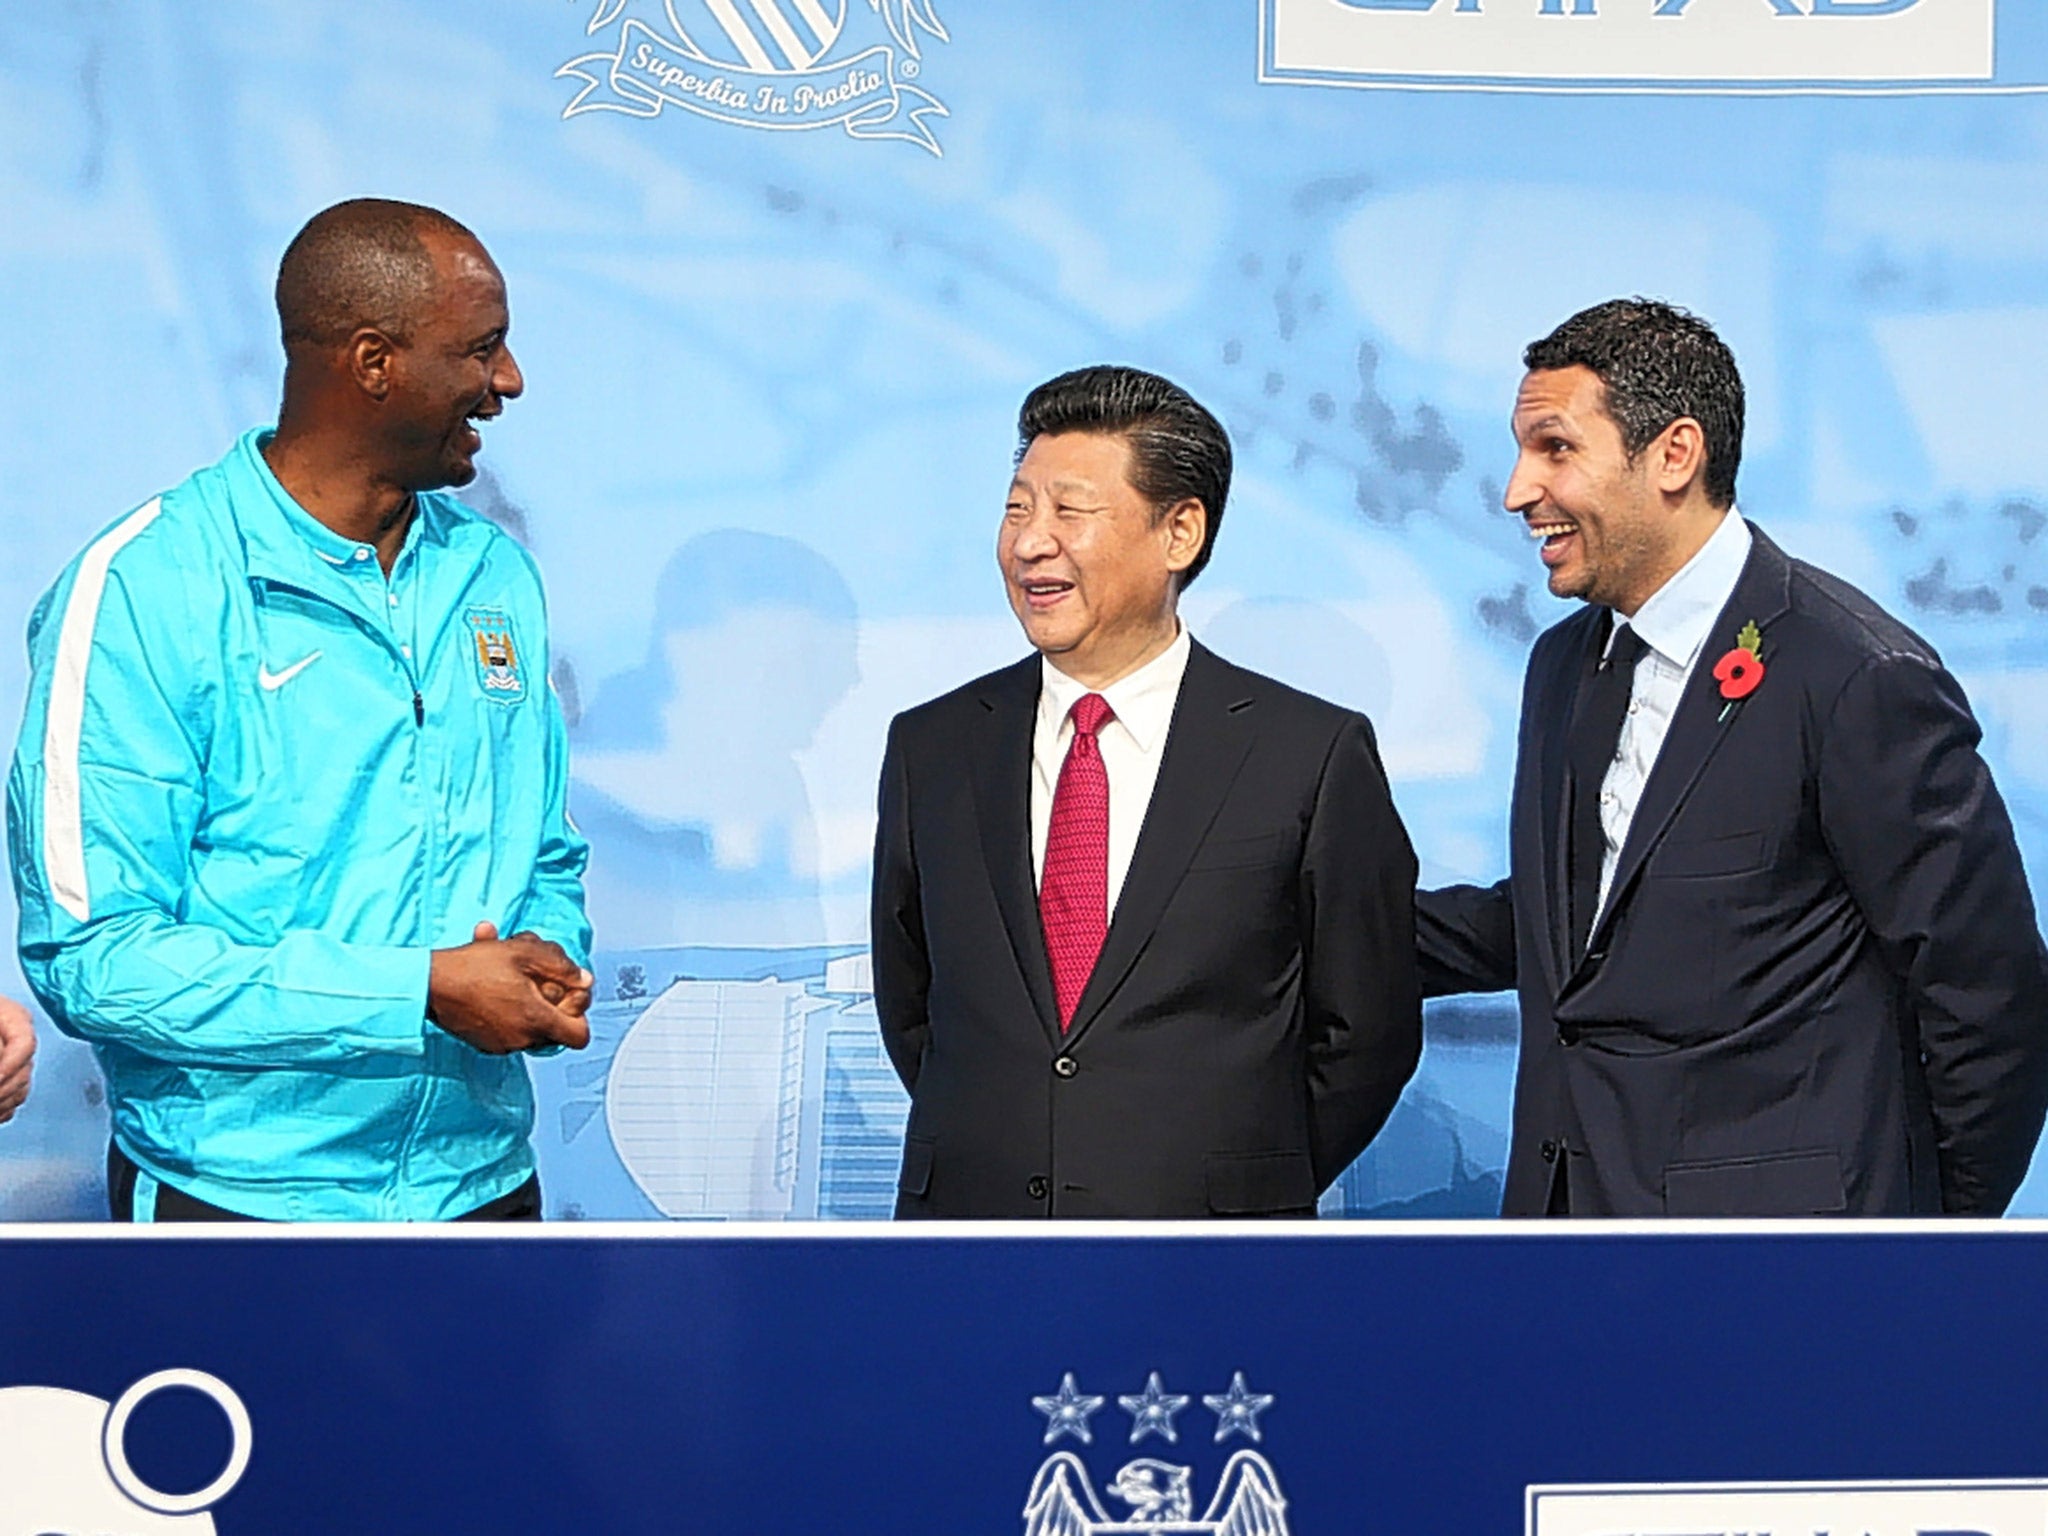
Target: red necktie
pixel 1073 892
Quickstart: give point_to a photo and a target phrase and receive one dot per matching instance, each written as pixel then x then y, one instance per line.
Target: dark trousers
pixel 523 1204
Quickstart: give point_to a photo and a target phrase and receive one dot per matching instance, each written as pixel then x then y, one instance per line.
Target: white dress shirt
pixel 1131 744
pixel 1673 627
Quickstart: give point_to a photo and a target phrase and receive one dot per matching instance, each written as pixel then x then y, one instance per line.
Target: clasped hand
pixel 504 995
pixel 17 1057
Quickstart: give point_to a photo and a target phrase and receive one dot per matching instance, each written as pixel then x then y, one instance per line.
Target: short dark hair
pixel 1178 449
pixel 360 263
pixel 1658 362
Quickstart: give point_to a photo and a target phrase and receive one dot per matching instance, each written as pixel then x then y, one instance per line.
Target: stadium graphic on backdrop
pixel 775 64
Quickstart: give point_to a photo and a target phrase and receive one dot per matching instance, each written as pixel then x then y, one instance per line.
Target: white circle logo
pixel 113 1442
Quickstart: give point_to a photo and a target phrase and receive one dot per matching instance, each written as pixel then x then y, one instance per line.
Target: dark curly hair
pixel 1658 363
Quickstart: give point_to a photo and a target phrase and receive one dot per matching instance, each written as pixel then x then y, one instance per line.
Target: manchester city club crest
pixel 498 670
pixel 778 64
pixel 1158 1494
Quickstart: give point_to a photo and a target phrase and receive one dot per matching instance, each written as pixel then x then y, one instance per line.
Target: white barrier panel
pixel 1867 1509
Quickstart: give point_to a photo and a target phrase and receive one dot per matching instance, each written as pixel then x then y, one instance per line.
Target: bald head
pixel 365 262
pixel 395 323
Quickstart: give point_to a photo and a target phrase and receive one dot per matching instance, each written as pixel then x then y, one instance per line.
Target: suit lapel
pixel 1002 803
pixel 1211 733
pixel 1702 720
pixel 1560 703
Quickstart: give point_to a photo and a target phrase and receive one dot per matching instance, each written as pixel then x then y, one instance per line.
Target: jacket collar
pixel 1206 744
pixel 1698 726
pixel 1002 801
pixel 1213 725
pixel 284 543
pixel 1676 620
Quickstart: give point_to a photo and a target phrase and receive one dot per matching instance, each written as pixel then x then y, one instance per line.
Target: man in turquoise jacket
pixel 291 766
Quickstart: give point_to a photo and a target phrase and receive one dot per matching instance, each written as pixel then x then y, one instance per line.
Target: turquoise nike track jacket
pixel 257 782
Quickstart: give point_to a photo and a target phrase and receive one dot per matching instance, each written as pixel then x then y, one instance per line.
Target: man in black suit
pixel 1143 922
pixel 1775 948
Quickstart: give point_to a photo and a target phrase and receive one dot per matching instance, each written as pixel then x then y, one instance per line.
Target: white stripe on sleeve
pixel 64 720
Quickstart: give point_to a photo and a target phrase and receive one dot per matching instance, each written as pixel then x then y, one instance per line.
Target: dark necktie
pixel 1596 731
pixel 1073 890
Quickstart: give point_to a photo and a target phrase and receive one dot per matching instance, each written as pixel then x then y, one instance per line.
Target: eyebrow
pixel 1066 487
pixel 1550 423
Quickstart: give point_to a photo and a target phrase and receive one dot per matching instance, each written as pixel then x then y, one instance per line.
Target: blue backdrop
pixel 775 343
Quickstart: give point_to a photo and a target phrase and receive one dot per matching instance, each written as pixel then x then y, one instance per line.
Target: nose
pixel 1029 538
pixel 1524 488
pixel 507 382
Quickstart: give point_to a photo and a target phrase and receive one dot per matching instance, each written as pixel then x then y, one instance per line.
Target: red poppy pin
pixel 1741 669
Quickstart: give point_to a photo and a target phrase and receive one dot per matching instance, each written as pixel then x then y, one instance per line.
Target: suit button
pixel 1037 1189
pixel 1065 1066
pixel 1566 1037
pixel 1550 1151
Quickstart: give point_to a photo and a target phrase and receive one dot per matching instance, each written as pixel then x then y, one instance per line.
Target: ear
pixel 1678 459
pixel 1187 529
pixel 369 356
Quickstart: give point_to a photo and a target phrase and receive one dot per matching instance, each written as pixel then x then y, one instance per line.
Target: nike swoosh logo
pixel 272 681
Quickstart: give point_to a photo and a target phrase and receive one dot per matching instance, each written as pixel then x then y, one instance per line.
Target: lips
pixel 471 440
pixel 1044 592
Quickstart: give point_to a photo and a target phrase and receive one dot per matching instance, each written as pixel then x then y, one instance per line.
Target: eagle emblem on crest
pixel 1063 1502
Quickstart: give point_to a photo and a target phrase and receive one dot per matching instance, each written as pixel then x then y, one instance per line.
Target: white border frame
pixel 1335 1230
pixel 1496 85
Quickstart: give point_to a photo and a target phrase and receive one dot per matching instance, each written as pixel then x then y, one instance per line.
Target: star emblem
pixel 1152 1411
pixel 1068 1413
pixel 1237 1409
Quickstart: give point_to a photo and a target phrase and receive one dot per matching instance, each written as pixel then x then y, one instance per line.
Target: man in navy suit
pixel 1774 944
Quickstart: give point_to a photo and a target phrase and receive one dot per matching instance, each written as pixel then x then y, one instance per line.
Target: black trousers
pixel 523 1204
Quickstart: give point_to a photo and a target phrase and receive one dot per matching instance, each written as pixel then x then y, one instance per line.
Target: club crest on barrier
pixel 1158 1495
pixel 775 64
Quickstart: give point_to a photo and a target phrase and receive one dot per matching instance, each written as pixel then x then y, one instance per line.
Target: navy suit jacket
pixel 1817 985
pixel 1254 1013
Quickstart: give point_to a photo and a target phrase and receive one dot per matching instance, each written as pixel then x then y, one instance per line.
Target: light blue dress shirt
pixel 1673 626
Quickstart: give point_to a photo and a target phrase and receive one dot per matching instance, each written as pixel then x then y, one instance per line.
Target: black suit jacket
pixel 1254 1013
pixel 1817 985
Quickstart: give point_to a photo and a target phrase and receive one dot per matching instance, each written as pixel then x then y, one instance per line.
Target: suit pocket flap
pixel 1787 1184
pixel 916 1177
pixel 1736 853
pixel 1249 1184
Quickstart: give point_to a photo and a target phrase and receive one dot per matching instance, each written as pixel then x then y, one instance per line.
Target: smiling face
pixel 455 371
pixel 1091 567
pixel 1599 514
